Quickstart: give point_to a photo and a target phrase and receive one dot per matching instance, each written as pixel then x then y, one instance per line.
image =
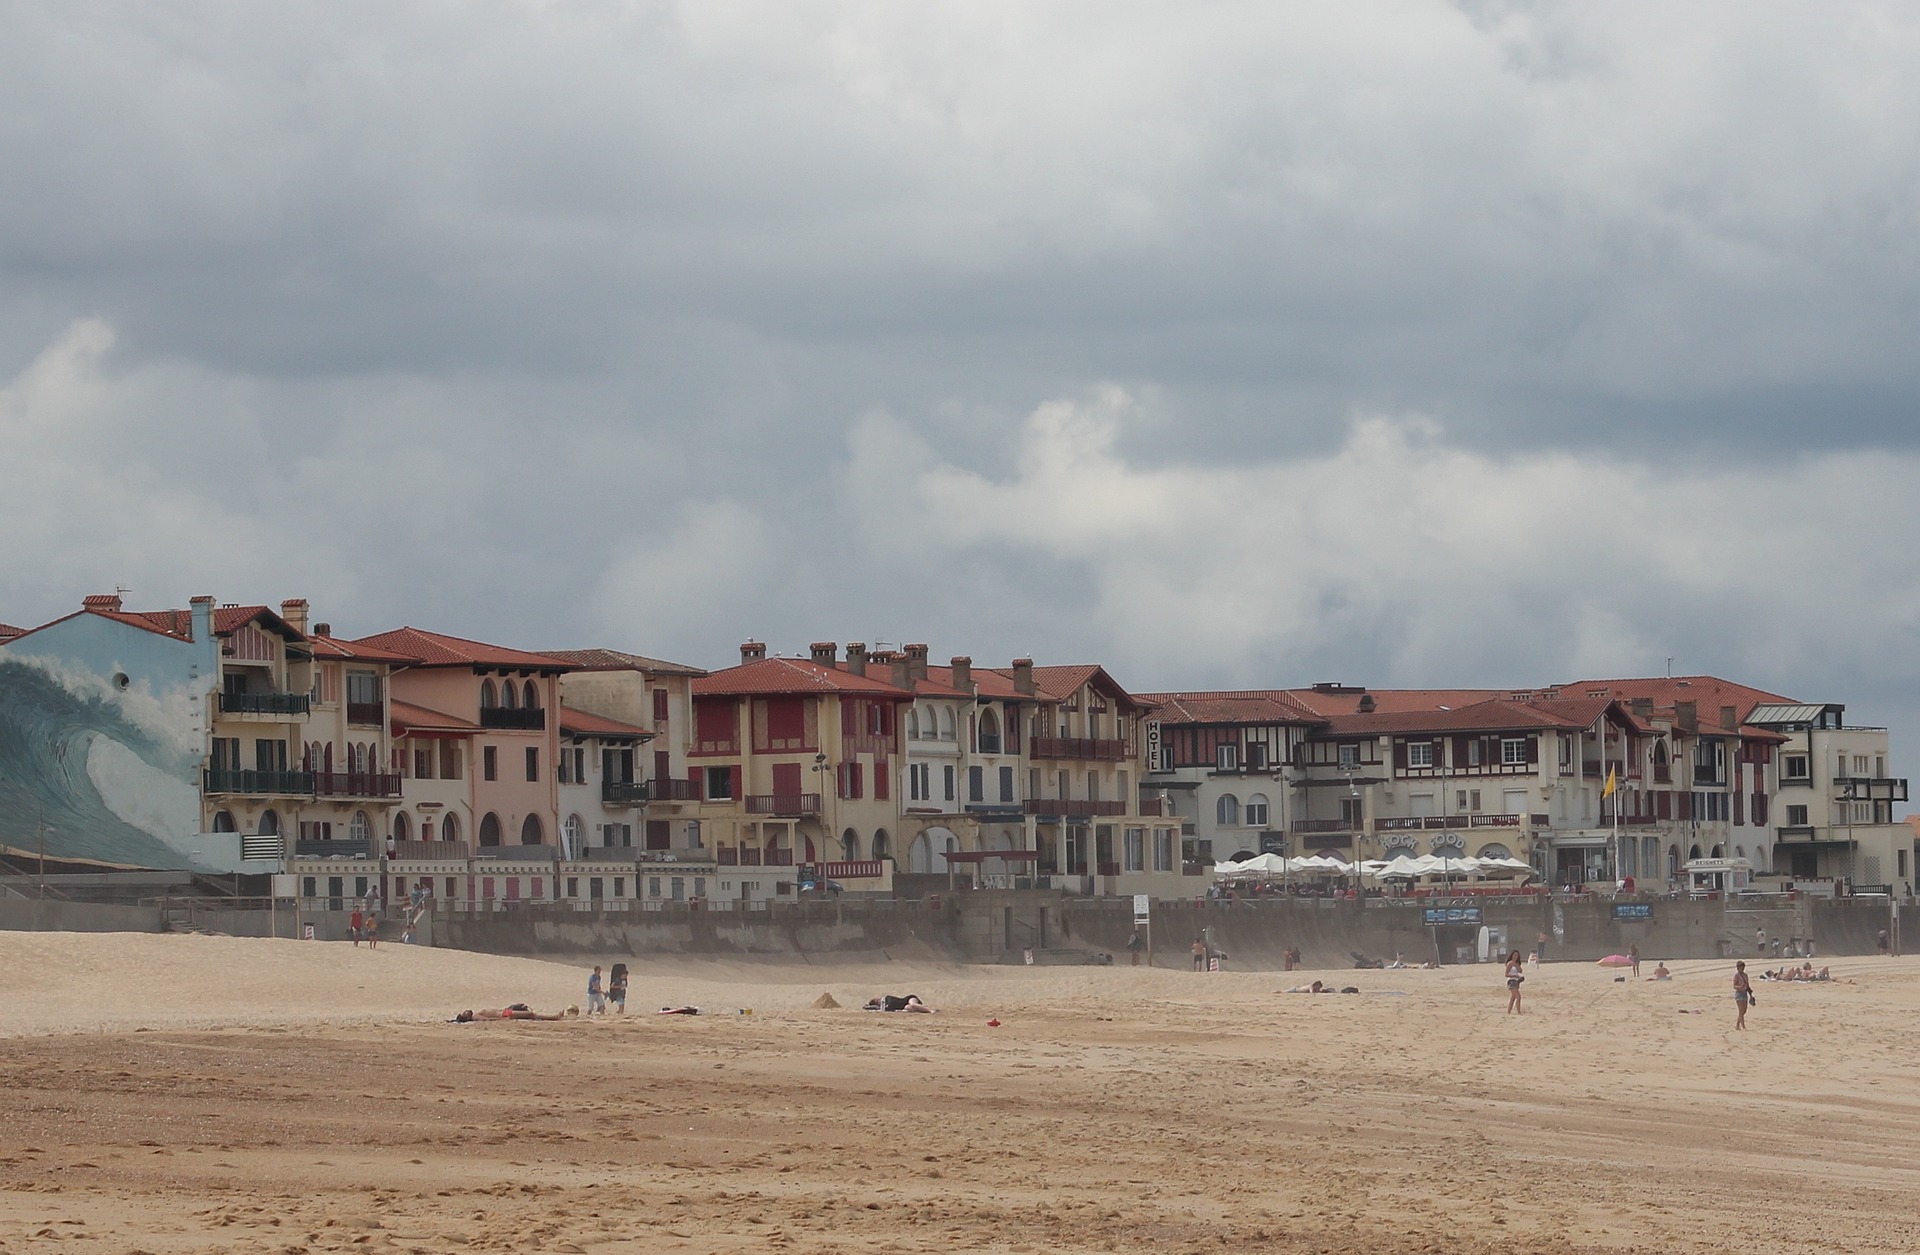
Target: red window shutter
pixel 734 781
pixel 848 720
pixel 881 774
pixel 693 783
pixel 859 784
pixel 840 780
pixel 660 705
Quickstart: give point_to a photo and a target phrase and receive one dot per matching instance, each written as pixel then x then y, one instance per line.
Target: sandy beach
pixel 181 1093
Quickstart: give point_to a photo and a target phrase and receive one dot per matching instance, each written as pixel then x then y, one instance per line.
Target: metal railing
pixel 785 804
pixel 264 703
pixel 277 783
pixel 1057 807
pixel 366 714
pixel 515 718
pixel 626 792
pixel 356 784
pixel 1078 747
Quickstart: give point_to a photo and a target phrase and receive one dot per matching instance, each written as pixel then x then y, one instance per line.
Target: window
pixel 487 700
pixel 947 776
pixel 489 762
pixel 1859 764
pixel 1795 767
pixel 659 705
pixel 423 764
pixel 449 760
pixel 719 783
pixel 1796 817
pixel 1226 757
pixel 1134 850
pixel 1256 756
pixel 1513 751
pixel 1006 784
pixel 946 724
pixel 1350 812
pixel 1474 752
pixel 1163 849
pixel 533 762
pixel 360 828
pixel 913 724
pixel 1419 754
pixel 1350 755
pixel 532 832
pixel 1226 811
pixel 572 833
pixel 1257 811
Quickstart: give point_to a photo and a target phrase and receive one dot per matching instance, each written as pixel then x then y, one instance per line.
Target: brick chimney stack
pixel 1643 708
pixel 752 651
pixel 323 629
pixel 294 611
pixel 101 601
pixel 902 671
pixel 1730 717
pixel 917 661
pixel 856 657
pixel 963 674
pixel 1687 715
pixel 1023 676
pixel 202 617
pixel 826 653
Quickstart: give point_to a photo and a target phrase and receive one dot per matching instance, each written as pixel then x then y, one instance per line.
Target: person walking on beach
pixel 1760 942
pixel 1516 973
pixel 1885 949
pixel 1540 948
pixel 1633 959
pixel 354 923
pixel 1199 955
pixel 1135 944
pixel 1742 993
pixel 373 929
pixel 617 988
pixel 596 1000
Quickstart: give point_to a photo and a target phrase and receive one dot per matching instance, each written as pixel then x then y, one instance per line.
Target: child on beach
pixel 617 988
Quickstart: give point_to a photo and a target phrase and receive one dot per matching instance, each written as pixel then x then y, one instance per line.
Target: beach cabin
pixel 1717 875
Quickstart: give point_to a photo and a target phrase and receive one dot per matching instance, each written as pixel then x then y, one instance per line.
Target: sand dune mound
pixel 826 1002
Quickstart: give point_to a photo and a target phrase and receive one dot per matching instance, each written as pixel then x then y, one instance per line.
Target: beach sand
pixel 180 1093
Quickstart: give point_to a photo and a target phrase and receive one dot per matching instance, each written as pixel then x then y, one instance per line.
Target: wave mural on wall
pixel 112 772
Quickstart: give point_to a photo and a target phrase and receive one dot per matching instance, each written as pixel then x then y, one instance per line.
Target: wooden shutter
pixel 1399 753
pixel 733 774
pixel 1533 749
pixel 693 783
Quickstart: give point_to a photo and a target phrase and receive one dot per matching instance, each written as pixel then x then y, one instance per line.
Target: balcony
pixel 356 784
pixel 270 783
pixel 366 714
pixel 330 849
pixel 787 805
pixel 1156 808
pixel 430 851
pixel 626 792
pixel 989 742
pixel 1081 748
pixel 1337 825
pixel 514 718
pixel 1054 807
pixel 673 791
pixel 1871 788
pixel 1431 823
pixel 264 703
pixel 859 869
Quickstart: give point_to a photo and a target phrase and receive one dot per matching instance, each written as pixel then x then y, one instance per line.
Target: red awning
pixel 981 856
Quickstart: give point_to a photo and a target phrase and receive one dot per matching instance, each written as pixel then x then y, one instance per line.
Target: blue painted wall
pixel 102 737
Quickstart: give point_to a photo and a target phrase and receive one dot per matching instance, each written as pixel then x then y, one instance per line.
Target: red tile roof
pixel 986 683
pixel 409 717
pixel 617 660
pixel 1057 683
pixel 791 676
pixel 1488 716
pixel 585 723
pixel 1708 694
pixel 7 629
pixel 1238 707
pixel 436 649
pixel 333 647
pixel 1347 701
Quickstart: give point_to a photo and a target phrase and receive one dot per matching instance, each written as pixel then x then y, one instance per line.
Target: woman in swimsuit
pixel 1742 993
pixel 1516 972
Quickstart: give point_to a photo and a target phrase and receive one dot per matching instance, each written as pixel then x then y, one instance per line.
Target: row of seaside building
pixel 250 739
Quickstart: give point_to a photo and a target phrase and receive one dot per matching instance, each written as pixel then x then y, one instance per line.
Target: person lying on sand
pixel 898 1002
pixel 518 1011
pixel 679 1010
pixel 1316 988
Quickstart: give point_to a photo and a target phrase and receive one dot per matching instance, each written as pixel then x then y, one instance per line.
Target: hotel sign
pixel 1153 745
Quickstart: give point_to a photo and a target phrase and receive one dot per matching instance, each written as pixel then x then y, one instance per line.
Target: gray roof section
pixel 1774 716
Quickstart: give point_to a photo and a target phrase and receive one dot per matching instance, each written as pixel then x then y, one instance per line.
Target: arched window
pixel 989 732
pixel 223 822
pixel 1693 852
pixel 1719 851
pixel 402 827
pixel 1673 862
pixel 269 823
pixel 850 845
pixel 530 696
pixel 1226 811
pixel 509 696
pixel 1257 811
pixel 359 828
pixel 449 827
pixel 1739 851
pixel 573 835
pixel 487 700
pixel 531 832
pixel 880 849
pixel 913 724
pixel 946 723
pixel 489 829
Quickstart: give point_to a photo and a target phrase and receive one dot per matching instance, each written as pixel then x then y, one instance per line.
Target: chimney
pixel 101 601
pixel 902 671
pixel 1023 676
pixel 1366 703
pixel 917 661
pixel 1730 717
pixel 1643 708
pixel 294 611
pixel 752 651
pixel 856 657
pixel 826 653
pixel 963 674
pixel 1687 715
pixel 323 629
pixel 202 617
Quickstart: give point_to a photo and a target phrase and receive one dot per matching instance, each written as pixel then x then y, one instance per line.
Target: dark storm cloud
pixel 673 322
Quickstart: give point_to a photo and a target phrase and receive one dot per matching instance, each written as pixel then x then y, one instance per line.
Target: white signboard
pixel 1141 909
pixel 285 886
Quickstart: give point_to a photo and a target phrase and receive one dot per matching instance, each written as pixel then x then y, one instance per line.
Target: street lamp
pixel 1350 771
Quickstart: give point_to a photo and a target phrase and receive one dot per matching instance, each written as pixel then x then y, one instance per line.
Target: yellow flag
pixel 1608 791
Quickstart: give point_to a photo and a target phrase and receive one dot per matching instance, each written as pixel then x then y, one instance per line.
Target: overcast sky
pixel 1233 344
